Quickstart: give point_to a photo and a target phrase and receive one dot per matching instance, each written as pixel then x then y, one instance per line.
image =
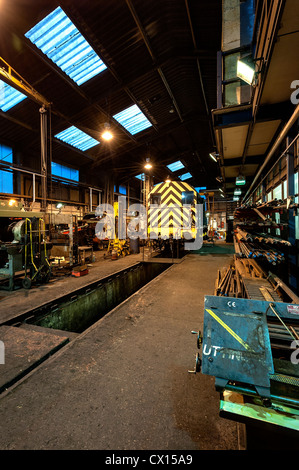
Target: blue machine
pixel 236 344
pixel 236 349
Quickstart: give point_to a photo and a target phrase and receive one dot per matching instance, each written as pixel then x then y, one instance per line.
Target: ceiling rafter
pixel 66 79
pixel 77 19
pixel 200 72
pixel 149 48
pixel 160 72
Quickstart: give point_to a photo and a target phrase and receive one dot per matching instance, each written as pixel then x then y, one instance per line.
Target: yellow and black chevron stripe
pixel 171 216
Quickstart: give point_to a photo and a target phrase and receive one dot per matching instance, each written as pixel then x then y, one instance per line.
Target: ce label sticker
pixel 231 304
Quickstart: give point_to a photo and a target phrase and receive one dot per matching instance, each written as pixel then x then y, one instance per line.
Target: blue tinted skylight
pixel 140 177
pixel 9 96
pixel 186 176
pixel 132 119
pixel 58 38
pixel 175 166
pixel 77 138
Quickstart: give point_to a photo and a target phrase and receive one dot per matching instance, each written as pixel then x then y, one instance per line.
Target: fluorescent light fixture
pixel 59 39
pixel 185 176
pixel 240 180
pixel 132 119
pixel 77 138
pixel 236 198
pixel 175 166
pixel 245 71
pixel 237 192
pixel 9 96
pixel 213 156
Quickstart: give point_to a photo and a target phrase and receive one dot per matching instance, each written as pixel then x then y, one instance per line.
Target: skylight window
pixel 58 38
pixel 132 119
pixel 64 172
pixel 140 177
pixel 9 96
pixel 185 176
pixel 77 138
pixel 175 166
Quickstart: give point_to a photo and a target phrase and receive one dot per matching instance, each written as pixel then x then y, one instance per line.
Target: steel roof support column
pixel 44 156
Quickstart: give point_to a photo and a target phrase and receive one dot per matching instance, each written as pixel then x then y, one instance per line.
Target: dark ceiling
pixel 160 54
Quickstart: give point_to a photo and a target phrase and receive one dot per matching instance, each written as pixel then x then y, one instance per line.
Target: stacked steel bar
pixel 281 337
pixel 249 247
pixel 229 283
pixel 264 238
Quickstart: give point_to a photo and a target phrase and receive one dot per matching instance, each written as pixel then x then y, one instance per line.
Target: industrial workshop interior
pixel 149 233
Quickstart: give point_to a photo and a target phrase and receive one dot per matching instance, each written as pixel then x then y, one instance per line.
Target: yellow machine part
pixel 121 247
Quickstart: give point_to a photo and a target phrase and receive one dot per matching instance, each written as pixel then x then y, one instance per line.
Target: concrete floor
pixel 14 303
pixel 123 384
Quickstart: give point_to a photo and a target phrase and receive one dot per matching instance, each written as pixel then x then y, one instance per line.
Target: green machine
pixel 23 247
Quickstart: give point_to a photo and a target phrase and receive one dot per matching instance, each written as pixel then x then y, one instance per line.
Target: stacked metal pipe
pixel 251 246
pixel 281 337
pixel 264 238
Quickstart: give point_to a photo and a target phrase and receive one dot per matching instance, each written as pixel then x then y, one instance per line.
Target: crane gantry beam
pixel 11 77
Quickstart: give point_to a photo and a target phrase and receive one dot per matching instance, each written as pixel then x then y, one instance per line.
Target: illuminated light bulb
pixel 107 135
pixel 148 166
